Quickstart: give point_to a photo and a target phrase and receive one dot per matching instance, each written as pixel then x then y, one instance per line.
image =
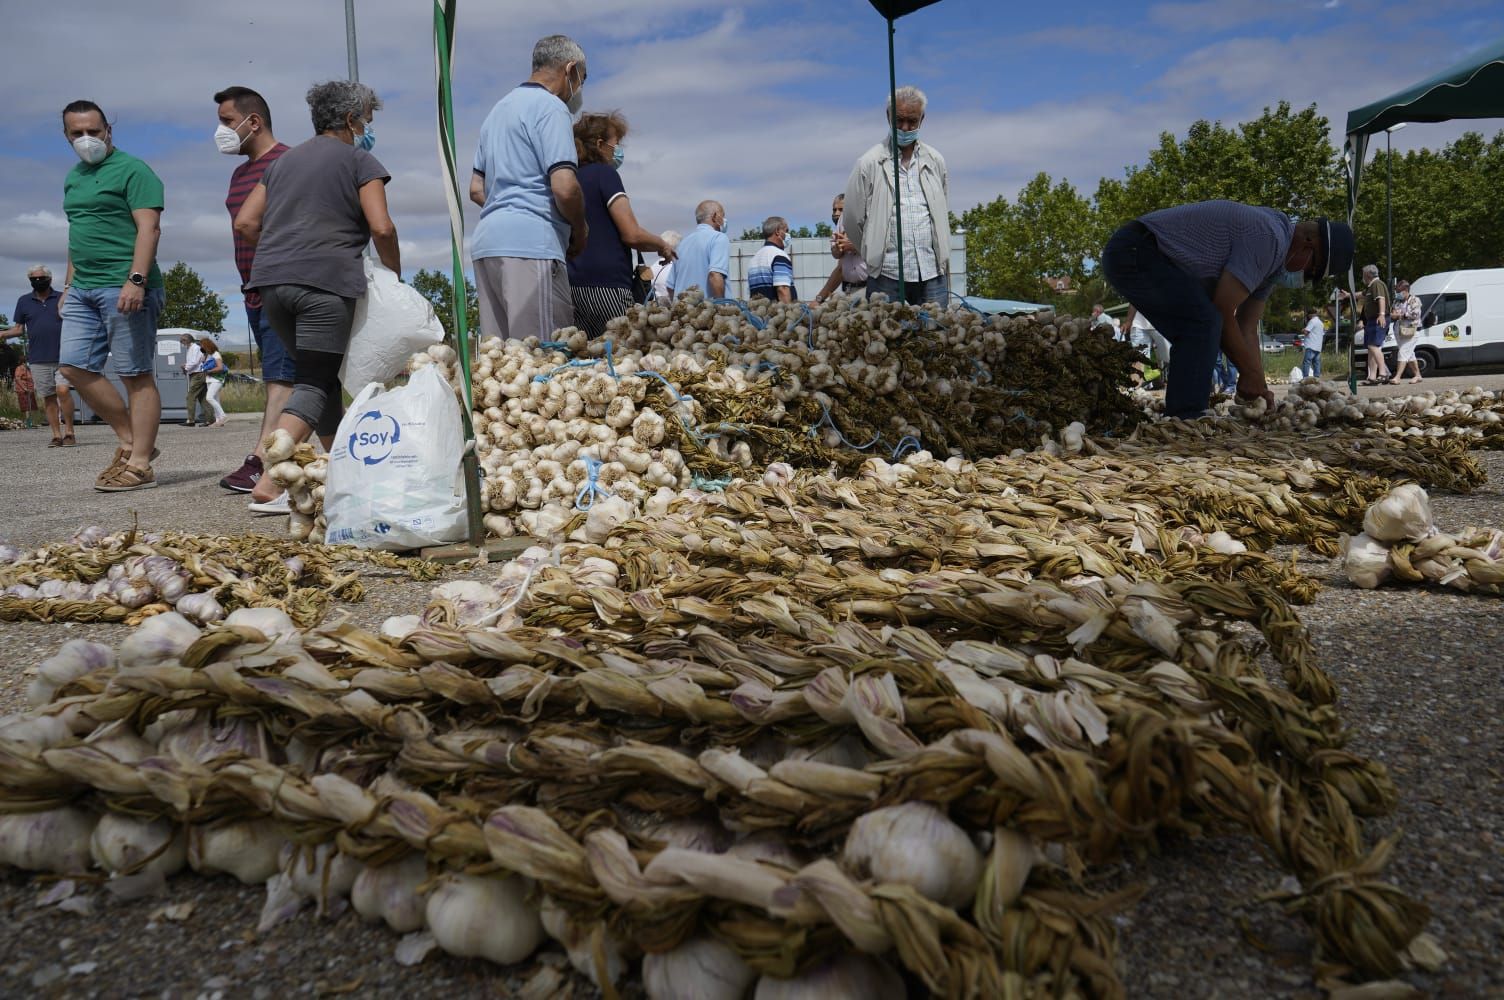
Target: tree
pixel 1012 249
pixel 754 233
pixel 190 303
pixel 824 229
pixel 438 288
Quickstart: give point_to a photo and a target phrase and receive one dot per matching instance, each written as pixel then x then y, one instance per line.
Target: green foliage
pixel 190 303
pixel 799 232
pixel 752 233
pixel 1011 249
pixel 824 229
pixel 438 288
pixel 231 359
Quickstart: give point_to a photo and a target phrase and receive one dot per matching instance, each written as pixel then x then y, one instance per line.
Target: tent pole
pixel 893 134
pixel 443 35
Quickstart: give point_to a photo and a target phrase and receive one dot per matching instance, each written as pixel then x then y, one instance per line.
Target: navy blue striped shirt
pixel 1208 237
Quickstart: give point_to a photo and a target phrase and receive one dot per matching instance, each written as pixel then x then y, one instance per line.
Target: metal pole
pixel 350 39
pixel 1388 212
pixel 893 132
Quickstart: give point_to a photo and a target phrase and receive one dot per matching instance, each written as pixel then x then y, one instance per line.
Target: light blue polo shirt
pixel 524 139
pixel 704 250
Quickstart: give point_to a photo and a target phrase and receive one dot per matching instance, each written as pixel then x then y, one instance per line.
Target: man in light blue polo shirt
pixel 704 255
pixel 532 209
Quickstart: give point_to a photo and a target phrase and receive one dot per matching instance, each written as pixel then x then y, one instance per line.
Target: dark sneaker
pixel 245 478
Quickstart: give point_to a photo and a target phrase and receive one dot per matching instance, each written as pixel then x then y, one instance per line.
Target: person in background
pixel 663 270
pixel 850 273
pixel 704 259
pixel 1315 333
pixel 1149 341
pixel 770 274
pixel 532 216
pixel 37 319
pixel 198 385
pixel 245 129
pixel 310 218
pixel 1406 313
pixel 26 393
pixel 870 218
pixel 214 371
pixel 1202 273
pixel 1100 319
pixel 1375 324
pixel 600 277
pixel 114 206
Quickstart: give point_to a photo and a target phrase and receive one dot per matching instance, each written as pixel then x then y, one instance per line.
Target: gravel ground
pixel 1421 683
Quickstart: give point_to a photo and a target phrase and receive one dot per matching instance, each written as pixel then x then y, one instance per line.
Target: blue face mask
pixel 618 156
pixel 367 139
pixel 907 138
pixel 1291 279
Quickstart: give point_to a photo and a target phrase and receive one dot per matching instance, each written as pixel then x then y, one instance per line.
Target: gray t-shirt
pixel 1208 237
pixel 313 230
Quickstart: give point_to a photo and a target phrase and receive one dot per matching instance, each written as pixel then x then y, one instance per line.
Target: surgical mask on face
pixel 576 97
pixel 1291 279
pixel 91 149
pixel 725 226
pixel 40 282
pixel 618 156
pixel 367 139
pixel 228 139
pixel 907 137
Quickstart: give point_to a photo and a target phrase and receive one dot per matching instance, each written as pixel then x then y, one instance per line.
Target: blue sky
pixel 764 108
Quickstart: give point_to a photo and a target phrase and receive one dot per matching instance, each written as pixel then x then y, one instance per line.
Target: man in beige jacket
pixel 869 219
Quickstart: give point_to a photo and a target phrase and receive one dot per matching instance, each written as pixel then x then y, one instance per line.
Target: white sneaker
pixel 277 506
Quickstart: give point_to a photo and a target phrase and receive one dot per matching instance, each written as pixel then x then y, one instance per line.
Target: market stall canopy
pixel 894 9
pixel 1473 88
pixel 1008 307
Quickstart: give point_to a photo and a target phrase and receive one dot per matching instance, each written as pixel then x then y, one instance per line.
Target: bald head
pixel 707 209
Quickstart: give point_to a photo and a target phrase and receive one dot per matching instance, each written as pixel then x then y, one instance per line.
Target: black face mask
pixel 38 284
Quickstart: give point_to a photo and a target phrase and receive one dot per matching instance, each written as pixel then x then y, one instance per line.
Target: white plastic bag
pixel 393 468
pixel 393 322
pixel 1296 374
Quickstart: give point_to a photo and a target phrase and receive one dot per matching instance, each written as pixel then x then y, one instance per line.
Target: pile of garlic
pixel 301 471
pixel 1476 414
pixel 1401 543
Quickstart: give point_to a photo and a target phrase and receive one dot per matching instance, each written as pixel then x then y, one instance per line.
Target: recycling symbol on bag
pixel 374 436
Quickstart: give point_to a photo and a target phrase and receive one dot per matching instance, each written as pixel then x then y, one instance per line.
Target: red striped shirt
pixel 242 182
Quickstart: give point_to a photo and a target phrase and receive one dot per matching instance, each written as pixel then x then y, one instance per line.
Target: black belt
pixel 851 286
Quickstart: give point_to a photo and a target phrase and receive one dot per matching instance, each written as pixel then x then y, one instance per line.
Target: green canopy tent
pixel 893 10
pixel 1473 88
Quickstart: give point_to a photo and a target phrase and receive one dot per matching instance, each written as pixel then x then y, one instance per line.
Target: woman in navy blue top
pixel 600 278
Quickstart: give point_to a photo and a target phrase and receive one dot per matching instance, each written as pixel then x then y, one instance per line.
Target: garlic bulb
pixel 1221 541
pixel 919 846
pixel 1365 561
pixel 273 623
pixel 158 639
pixel 848 975
pixel 278 446
pixel 489 917
pixel 1404 514
pixel 74 659
pixel 54 840
pixel 122 844
pixel 202 608
pixel 700 968
pixel 390 893
pixel 247 849
pixel 579 941
pixel 320 873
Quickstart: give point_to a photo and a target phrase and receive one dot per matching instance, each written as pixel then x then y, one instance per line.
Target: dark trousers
pixel 1179 307
pixel 198 389
pixel 915 293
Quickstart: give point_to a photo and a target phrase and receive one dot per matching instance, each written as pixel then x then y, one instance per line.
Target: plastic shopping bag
pixel 393 322
pixel 393 470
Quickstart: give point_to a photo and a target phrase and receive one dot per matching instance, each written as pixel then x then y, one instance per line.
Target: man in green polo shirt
pixel 113 293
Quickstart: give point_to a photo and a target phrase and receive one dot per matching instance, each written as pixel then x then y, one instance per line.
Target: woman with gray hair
pixel 310 219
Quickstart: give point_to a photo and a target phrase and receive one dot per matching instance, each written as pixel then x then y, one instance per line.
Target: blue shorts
pixel 93 330
pixel 1374 334
pixel 276 364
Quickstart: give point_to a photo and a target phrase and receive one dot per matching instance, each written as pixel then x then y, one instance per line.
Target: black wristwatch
pixel 138 279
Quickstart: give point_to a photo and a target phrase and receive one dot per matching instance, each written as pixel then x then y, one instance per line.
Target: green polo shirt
pixel 99 199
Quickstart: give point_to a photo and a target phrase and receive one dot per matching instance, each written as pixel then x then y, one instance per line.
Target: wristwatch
pixel 138 279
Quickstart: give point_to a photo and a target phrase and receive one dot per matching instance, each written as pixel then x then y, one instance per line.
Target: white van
pixel 1462 320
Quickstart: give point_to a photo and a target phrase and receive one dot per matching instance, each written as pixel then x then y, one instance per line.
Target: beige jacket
pixel 869 203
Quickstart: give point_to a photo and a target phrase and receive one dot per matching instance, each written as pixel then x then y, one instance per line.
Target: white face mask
pixel 228 139
pixel 91 149
pixel 576 97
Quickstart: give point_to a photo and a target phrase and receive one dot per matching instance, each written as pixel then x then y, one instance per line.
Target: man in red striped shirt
pixel 245 129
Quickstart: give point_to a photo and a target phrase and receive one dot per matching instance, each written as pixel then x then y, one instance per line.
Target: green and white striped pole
pixel 443 55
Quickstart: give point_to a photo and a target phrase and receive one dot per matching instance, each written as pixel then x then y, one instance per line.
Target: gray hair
pixel 840 196
pixel 39 267
pixel 773 224
pixel 705 209
pixel 1370 270
pixel 331 103
pixel 671 237
pixel 908 95
pixel 556 50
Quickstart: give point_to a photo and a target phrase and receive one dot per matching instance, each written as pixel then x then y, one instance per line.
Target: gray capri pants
pixel 314 326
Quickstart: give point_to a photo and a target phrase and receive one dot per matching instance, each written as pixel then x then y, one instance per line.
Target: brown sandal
pixel 127 479
pixel 55 443
pixel 69 441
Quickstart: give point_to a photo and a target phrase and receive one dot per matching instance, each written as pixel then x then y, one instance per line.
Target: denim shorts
pixel 276 364
pixel 94 330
